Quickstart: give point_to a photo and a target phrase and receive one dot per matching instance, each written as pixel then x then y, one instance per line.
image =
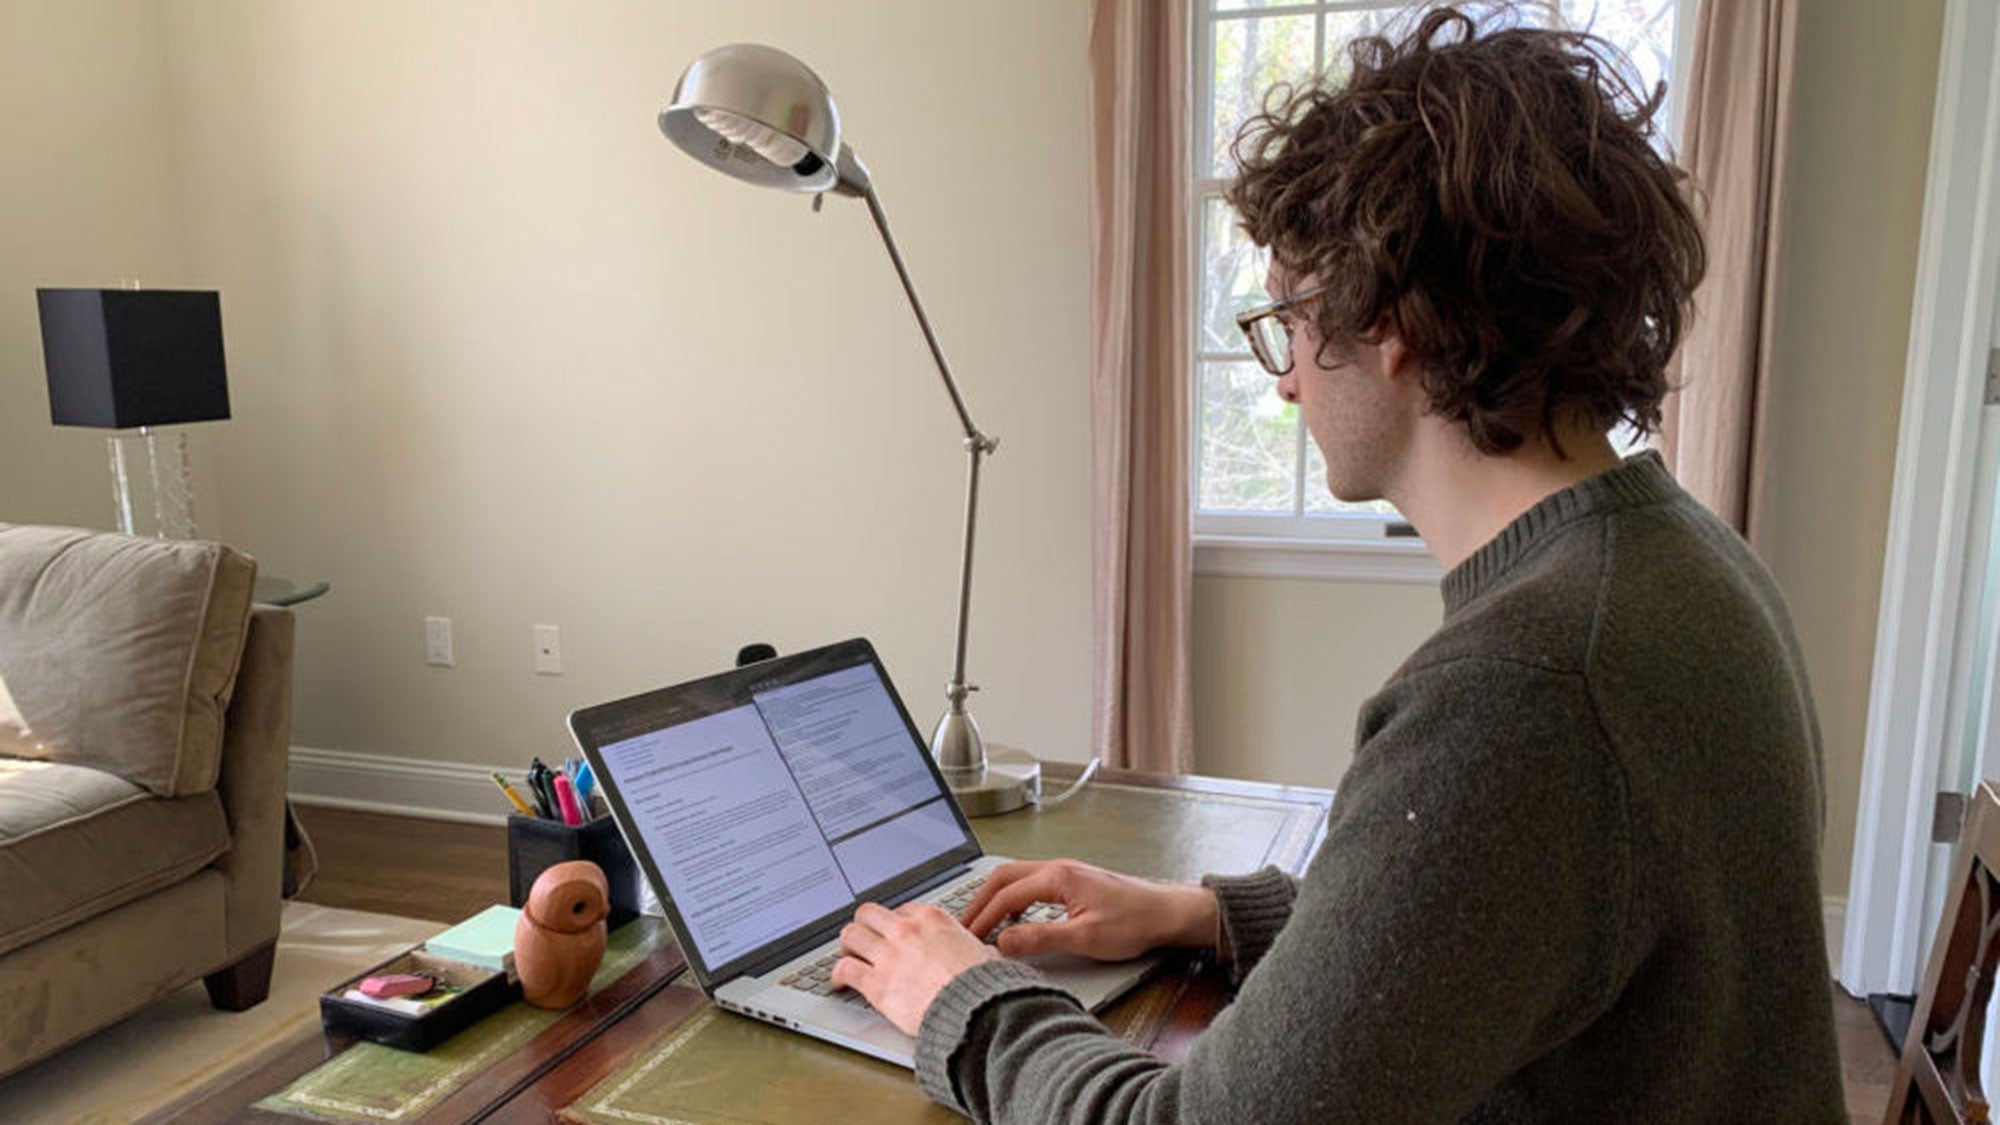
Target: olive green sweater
pixel 1571 876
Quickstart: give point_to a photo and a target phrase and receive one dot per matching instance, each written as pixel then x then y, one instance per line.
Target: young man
pixel 1572 874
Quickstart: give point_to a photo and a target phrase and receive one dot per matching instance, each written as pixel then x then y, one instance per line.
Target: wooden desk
pixel 641 1051
pixel 678 1058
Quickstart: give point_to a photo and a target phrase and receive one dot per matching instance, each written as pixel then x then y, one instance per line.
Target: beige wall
pixel 503 354
pixel 1867 74
pixel 1282 666
pixel 89 199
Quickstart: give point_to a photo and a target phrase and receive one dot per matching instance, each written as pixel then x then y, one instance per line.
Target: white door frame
pixel 1925 594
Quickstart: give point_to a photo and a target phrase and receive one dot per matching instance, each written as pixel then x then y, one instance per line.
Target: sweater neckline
pixel 1640 479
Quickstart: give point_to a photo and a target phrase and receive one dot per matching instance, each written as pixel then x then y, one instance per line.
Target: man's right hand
pixel 1112 917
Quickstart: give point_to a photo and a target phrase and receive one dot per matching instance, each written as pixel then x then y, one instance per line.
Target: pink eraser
pixel 397 984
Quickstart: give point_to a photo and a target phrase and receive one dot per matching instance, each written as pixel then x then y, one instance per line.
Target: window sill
pixel 1247 556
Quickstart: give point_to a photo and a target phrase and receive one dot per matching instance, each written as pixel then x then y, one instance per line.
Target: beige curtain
pixel 1734 118
pixel 1143 580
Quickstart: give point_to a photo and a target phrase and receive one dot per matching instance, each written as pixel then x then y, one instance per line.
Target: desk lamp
pixel 761 116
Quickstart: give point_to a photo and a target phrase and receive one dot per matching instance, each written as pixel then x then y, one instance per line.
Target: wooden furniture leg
pixel 245 983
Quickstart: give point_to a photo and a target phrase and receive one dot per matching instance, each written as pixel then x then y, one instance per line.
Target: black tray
pixel 484 991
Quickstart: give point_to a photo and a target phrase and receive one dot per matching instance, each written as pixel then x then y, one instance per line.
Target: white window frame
pixel 1345 546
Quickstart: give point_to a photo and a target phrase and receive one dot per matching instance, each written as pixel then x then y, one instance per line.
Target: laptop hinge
pixel 930 884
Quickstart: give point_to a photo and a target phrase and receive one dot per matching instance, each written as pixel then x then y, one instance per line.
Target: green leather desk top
pixel 370 1082
pixel 718 1067
pixel 1179 833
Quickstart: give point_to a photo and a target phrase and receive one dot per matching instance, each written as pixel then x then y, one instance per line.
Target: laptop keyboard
pixel 815 975
pixel 812 976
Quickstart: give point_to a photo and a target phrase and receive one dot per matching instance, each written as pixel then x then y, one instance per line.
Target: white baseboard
pixel 454 791
pixel 410 786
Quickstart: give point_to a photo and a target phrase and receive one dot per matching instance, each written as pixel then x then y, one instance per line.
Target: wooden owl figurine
pixel 560 936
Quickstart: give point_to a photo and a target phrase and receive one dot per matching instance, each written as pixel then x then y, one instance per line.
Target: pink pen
pixel 566 801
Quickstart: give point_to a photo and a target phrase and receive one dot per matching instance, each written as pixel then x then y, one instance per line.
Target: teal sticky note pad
pixel 486 938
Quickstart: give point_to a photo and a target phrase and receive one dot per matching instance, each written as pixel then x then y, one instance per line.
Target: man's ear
pixel 1398 362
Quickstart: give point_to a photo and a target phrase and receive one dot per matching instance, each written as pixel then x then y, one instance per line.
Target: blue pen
pixel 584 781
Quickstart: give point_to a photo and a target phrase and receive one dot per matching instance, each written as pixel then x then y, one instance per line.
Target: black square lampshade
pixel 119 358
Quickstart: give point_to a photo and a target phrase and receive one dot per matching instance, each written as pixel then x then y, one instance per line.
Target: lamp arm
pixel 956 743
pixel 924 322
pixel 956 690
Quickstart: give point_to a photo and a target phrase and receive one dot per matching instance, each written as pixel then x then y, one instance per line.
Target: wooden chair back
pixel 1937 1079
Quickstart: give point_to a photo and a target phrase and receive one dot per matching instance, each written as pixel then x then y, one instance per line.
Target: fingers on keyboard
pixel 1036 912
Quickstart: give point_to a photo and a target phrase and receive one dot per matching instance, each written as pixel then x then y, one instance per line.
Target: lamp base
pixel 152 490
pixel 1012 780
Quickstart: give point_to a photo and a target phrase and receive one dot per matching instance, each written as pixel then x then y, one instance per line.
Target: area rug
pixel 180 1044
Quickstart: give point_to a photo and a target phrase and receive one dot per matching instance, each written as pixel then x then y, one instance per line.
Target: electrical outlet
pixel 548 651
pixel 437 642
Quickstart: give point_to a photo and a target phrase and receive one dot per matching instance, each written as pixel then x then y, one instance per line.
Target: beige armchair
pixel 145 724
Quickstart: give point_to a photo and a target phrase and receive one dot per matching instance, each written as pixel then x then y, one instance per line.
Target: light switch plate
pixel 548 650
pixel 437 642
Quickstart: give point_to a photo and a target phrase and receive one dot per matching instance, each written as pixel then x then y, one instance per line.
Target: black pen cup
pixel 535 844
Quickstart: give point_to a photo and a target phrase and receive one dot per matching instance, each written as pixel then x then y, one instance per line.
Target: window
pixel 1261 504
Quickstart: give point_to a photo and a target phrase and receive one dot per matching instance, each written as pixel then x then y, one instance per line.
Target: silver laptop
pixel 764 804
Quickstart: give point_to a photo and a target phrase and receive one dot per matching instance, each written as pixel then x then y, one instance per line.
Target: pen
pixel 538 780
pixel 566 799
pixel 511 795
pixel 585 781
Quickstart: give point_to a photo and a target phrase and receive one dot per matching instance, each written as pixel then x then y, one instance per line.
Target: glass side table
pixel 272 590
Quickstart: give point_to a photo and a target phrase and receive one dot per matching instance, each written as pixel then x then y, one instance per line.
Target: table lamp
pixel 762 116
pixel 131 360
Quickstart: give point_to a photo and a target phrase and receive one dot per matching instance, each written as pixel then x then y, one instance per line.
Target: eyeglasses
pixel 1270 334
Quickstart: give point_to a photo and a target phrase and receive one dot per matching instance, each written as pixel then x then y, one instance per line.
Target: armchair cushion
pixel 120 653
pixel 76 842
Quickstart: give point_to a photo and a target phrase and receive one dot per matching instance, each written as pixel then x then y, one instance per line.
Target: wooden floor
pixel 443 870
pixel 404 865
pixel 1867 1064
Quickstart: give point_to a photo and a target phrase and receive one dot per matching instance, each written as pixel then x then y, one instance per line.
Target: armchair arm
pixel 256 750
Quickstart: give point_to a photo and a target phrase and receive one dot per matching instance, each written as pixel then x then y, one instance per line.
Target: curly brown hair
pixel 1492 196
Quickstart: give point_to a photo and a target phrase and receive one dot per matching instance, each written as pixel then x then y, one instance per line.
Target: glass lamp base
pixel 152 489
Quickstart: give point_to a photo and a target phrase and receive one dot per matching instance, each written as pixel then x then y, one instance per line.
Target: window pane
pixel 1246 5
pixel 1344 27
pixel 1643 29
pixel 1625 441
pixel 1320 501
pixel 1250 57
pixel 1232 277
pixel 1249 441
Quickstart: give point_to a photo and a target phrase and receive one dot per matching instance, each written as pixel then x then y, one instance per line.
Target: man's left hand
pixel 899 960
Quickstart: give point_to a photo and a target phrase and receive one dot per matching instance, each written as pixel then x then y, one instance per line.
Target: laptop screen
pixel 781 802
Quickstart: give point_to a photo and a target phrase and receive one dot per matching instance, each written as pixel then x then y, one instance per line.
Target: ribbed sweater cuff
pixel 1254 908
pixel 949 1020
